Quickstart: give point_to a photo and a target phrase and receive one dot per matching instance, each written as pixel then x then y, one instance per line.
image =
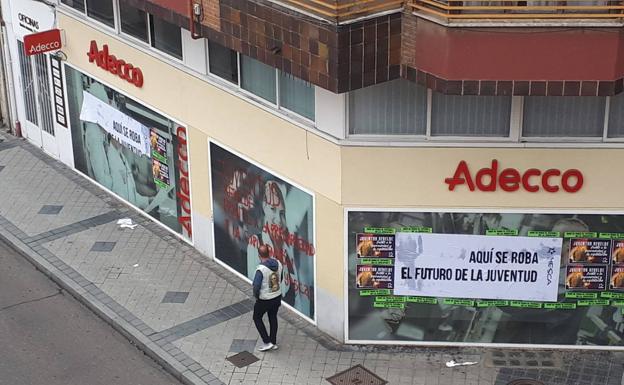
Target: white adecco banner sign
pixel 30 16
pixel 122 127
pixel 477 266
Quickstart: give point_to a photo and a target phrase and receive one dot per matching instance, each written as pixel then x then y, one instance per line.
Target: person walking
pixel 268 292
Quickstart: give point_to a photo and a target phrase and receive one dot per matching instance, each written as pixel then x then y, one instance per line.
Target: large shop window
pixel 563 116
pixel 166 37
pixel 254 207
pixel 136 153
pixel 485 277
pixel 133 21
pixel 223 62
pixel 397 107
pixel 258 78
pixel 296 95
pixel 477 116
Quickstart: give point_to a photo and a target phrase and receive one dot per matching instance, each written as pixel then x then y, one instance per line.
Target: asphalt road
pixel 48 337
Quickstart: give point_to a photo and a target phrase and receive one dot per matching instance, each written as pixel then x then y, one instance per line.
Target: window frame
pixel 277 105
pixel 215 76
pixel 570 139
pixel 605 136
pixel 134 38
pixel 427 137
pixel 515 130
pixel 250 94
pixel 162 52
pixel 279 101
pixel 116 17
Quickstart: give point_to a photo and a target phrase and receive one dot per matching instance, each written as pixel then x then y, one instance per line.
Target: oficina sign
pixel 41 42
pixel 29 16
pixel 510 179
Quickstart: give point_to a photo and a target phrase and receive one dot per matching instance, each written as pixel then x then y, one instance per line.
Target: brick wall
pixel 342 58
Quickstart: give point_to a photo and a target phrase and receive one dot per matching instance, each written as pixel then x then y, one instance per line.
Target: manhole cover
pixel 525 382
pixel 357 375
pixel 242 359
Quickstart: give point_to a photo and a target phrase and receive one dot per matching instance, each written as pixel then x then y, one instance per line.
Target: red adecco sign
pixel 116 66
pixel 42 42
pixel 511 179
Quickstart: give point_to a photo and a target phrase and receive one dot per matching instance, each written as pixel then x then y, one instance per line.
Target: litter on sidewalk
pixel 453 363
pixel 126 223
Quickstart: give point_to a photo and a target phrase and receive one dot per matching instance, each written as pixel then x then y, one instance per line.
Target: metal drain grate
pixel 242 359
pixel 525 382
pixel 357 375
pixel 523 359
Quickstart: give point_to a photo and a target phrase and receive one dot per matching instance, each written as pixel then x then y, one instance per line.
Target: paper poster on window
pixel 617 278
pixel 375 245
pixel 587 250
pixel 158 145
pixel 120 126
pixel 374 277
pixel 617 252
pixel 477 266
pixel 253 207
pixel 586 277
pixel 161 173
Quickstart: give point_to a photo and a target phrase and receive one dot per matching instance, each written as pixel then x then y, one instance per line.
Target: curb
pixel 143 343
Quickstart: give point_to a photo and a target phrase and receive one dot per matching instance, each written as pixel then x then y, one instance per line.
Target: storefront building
pixel 404 212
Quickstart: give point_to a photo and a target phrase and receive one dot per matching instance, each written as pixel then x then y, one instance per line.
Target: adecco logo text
pixel 42 42
pixel 510 179
pixel 118 67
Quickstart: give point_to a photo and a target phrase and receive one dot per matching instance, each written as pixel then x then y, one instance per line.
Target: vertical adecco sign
pixel 30 16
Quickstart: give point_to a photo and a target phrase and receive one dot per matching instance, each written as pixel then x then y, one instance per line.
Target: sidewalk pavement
pixel 190 314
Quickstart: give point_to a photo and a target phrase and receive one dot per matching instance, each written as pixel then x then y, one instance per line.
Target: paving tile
pixel 103 246
pixel 175 297
pixel 239 345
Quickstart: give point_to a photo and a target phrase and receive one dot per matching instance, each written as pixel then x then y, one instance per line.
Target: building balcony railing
pixel 523 11
pixel 341 11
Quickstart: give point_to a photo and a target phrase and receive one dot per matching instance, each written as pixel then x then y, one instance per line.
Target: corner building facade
pixel 423 178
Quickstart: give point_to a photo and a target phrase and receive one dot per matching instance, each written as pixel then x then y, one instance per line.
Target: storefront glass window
pixel 223 62
pixel 102 10
pixel 563 116
pixel 166 36
pixel 254 207
pixel 468 115
pixel 76 4
pixel 133 21
pixel 397 107
pixel 296 95
pixel 515 278
pixel 258 78
pixel 136 153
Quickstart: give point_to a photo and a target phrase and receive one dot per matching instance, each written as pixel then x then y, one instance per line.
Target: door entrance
pixel 37 94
